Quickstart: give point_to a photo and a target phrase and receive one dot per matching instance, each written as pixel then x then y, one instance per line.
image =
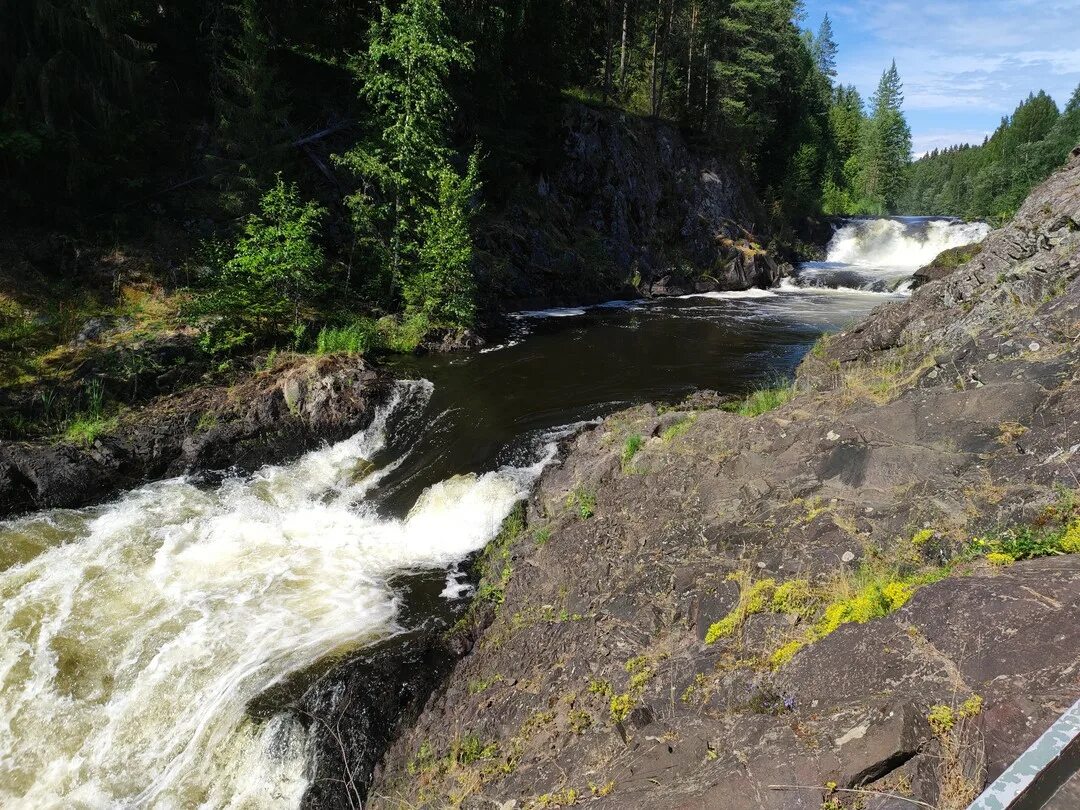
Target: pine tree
pixel 444 290
pixel 71 76
pixel 272 275
pixel 251 108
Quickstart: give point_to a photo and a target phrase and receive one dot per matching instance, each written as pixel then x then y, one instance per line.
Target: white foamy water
pixel 133 635
pixel 880 255
pixel 731 295
pixel 906 244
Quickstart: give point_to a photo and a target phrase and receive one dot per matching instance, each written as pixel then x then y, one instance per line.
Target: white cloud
pixel 927 141
pixel 959 58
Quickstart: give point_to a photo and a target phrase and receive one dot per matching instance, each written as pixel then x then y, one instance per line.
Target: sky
pixel 965 63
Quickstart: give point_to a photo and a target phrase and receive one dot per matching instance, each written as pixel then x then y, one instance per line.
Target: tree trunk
pixel 622 48
pixel 708 75
pixel 655 44
pixel 690 57
pixel 607 49
pixel 664 49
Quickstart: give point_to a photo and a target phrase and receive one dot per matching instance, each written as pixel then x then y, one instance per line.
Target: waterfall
pixel 880 255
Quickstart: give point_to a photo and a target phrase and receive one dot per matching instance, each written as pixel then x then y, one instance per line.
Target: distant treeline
pixel 990 181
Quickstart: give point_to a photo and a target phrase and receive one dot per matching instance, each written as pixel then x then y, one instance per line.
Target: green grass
pixel 763 400
pixel 583 502
pixel 85 429
pixel 630 448
pixel 360 337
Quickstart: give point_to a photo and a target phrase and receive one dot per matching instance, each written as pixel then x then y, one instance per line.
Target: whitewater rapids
pixel 881 255
pixel 134 635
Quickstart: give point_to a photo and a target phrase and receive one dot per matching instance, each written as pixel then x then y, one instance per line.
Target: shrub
pixel 583 502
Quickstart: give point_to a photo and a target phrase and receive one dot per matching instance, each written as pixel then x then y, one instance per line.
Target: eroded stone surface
pixel 936 413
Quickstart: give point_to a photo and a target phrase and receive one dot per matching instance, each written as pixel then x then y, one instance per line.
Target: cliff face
pixel 630 209
pixel 754 611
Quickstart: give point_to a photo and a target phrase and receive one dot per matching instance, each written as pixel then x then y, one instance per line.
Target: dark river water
pixel 565 366
pixel 151 647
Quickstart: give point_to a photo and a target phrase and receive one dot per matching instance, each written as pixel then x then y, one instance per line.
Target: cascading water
pixel 134 635
pixel 880 255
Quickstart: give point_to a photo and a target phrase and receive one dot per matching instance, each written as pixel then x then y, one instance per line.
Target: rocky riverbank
pixel 868 588
pixel 261 418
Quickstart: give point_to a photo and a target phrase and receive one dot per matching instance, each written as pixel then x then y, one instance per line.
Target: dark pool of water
pixel 489 408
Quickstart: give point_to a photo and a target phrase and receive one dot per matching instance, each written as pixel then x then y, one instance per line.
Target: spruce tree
pixel 825 49
pixel 886 148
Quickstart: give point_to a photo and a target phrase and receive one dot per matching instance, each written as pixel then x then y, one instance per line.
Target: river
pixel 136 635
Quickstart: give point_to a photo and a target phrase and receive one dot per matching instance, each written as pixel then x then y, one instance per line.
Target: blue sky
pixel 964 63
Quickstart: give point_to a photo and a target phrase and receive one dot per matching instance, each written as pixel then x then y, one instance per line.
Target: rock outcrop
pixel 640 653
pixel 263 418
pixel 629 209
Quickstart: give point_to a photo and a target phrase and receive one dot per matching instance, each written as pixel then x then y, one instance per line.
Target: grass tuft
pixel 763 400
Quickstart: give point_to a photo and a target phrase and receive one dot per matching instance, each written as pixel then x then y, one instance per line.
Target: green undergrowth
pixel 631 447
pixel 494 569
pixel 362 335
pixel 885 582
pixel 582 502
pixel 494 563
pixel 763 400
pixel 678 429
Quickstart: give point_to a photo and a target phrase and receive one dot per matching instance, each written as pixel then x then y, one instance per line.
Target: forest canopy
pixel 369 137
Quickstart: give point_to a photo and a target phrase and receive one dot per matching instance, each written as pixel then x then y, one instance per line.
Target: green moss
pixel 599 687
pixel 786 653
pixel 753 598
pixel 921 538
pixel 620 707
pixel 579 720
pixel 943 718
pixel 678 429
pixel 479 685
pixel 494 564
pixel 793 597
pixel 559 798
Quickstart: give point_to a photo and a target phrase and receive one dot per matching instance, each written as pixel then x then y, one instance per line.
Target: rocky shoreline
pixel 263 417
pixel 796 609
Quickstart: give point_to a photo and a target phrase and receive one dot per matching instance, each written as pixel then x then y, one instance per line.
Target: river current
pixel 135 635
